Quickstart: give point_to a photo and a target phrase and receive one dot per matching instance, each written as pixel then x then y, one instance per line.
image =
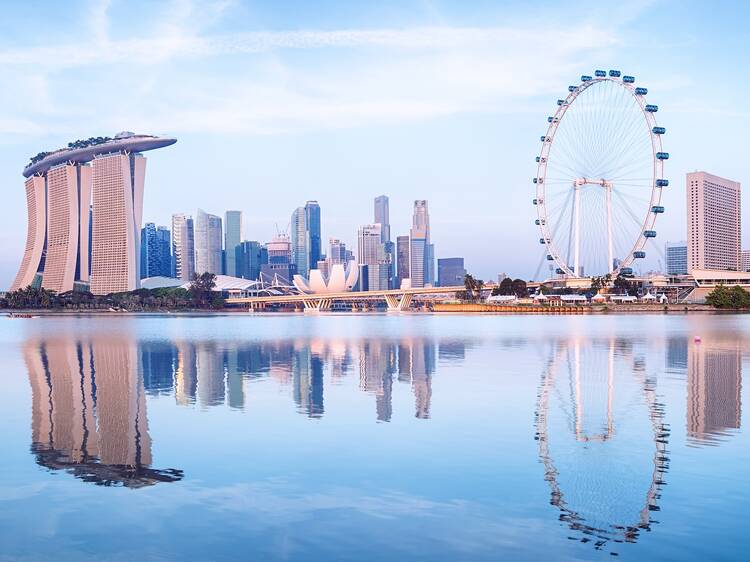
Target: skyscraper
pixel 250 257
pixel 714 225
pixel 312 222
pixel 382 217
pixel 300 242
pixel 156 255
pixel 372 254
pixel 419 241
pixel 451 272
pixel 183 247
pixel 280 261
pixel 232 239
pixel 403 261
pixel 337 251
pixel 676 256
pixel 64 192
pixel 208 243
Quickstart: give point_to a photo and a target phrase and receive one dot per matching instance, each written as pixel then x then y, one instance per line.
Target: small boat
pixel 21 315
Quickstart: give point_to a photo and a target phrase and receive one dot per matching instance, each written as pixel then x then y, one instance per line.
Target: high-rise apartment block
pixel 676 256
pixel 183 247
pixel 714 225
pixel 85 203
pixel 232 239
pixel 208 243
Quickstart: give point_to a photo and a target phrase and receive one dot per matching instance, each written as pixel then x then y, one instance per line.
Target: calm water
pixel 375 437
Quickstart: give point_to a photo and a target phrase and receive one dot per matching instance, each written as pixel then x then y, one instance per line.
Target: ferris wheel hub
pixel 578 182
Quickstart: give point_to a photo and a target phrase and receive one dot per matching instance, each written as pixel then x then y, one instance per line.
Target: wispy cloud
pixel 183 78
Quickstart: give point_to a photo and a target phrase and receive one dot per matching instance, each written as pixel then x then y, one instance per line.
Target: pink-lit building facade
pixel 714 227
pixel 85 206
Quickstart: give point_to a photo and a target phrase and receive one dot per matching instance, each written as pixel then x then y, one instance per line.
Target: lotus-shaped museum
pixel 339 280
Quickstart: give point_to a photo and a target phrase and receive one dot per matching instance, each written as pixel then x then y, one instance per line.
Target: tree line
pixel 199 295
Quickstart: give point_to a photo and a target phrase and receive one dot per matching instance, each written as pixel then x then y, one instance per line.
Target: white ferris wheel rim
pixel 657 174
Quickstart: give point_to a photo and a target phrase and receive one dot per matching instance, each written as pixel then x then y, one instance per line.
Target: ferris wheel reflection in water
pixel 596 408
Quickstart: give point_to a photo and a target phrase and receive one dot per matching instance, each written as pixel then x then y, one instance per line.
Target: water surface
pixel 373 437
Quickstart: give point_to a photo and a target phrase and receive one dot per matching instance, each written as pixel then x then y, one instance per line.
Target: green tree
pixel 505 287
pixel 519 288
pixel 473 287
pixel 201 288
pixel 735 298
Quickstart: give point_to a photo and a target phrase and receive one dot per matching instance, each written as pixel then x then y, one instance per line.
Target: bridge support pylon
pixel 398 303
pixel 316 305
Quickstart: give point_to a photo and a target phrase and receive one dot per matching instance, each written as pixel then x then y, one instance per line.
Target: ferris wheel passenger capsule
pixel 657 209
pixel 639 254
pixel 559 271
pixel 585 78
pixel 626 271
pixel 560 102
pixel 662 155
pixel 572 88
pixel 651 108
pixel 658 130
pixel 549 257
pixel 628 79
pixel 533 201
pixel 649 233
pixel 641 91
pixel 662 183
pixel 614 73
pixel 600 73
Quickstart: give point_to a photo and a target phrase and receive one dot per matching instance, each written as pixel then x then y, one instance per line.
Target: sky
pixel 276 103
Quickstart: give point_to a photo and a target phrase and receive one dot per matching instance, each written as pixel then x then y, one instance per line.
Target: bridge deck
pixel 349 296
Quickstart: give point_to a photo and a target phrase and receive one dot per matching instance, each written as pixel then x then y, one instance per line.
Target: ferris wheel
pixel 600 177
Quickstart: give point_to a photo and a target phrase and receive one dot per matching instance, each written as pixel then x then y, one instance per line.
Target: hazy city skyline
pixel 319 112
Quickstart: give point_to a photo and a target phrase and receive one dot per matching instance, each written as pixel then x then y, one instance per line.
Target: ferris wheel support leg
pixel 610 263
pixel 577 232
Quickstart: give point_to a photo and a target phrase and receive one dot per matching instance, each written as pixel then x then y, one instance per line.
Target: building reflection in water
pixel 602 439
pixel 713 367
pixel 89 409
pixel 214 373
pixel 89 394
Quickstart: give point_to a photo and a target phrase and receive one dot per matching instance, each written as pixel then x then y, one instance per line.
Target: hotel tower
pixel 714 224
pixel 85 204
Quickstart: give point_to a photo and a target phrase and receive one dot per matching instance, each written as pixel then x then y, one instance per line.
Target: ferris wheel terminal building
pixel 85 205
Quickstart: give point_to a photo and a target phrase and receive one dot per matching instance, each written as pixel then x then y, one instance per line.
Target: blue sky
pixel 274 103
